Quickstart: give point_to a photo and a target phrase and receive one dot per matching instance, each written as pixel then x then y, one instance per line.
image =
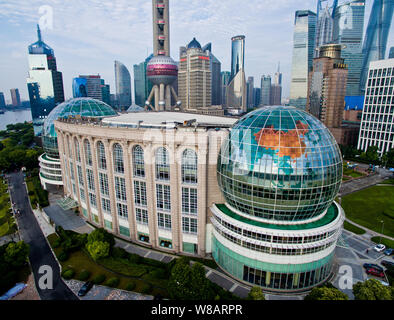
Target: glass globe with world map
pixel 280 163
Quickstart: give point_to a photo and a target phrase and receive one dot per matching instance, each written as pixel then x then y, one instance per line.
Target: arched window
pixel 189 166
pixel 88 153
pixel 102 160
pixel 77 150
pixel 138 161
pixel 118 159
pixel 162 164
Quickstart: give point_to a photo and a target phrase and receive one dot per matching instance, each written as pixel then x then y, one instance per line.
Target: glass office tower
pixel 123 85
pixel 216 68
pixel 44 84
pixel 348 31
pixel 303 47
pixel 375 40
pixel 142 86
pixel 325 21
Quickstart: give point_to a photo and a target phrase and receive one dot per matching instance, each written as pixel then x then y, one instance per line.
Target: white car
pixel 379 247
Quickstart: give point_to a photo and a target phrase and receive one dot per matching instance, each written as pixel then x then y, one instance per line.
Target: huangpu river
pixel 12 117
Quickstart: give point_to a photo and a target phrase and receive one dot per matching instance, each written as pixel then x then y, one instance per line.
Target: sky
pixel 89 35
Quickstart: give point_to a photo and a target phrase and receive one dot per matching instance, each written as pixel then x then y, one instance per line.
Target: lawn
pixel 351 173
pixel 387 242
pixel 370 206
pixel 352 228
pixel 388 181
pixel 126 273
pixel 7 222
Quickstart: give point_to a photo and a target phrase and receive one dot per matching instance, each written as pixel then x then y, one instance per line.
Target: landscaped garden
pixel 349 173
pixel 352 228
pixel 7 221
pixel 371 206
pixel 94 257
pixel 37 194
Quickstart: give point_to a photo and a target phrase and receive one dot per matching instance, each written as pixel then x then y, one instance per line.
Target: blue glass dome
pixel 194 44
pixel 85 107
pixel 280 163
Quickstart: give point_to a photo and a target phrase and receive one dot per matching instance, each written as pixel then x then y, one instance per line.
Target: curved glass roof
pixel 194 44
pixel 135 108
pixel 85 107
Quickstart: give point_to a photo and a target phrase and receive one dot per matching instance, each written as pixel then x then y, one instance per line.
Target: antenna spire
pixel 39 33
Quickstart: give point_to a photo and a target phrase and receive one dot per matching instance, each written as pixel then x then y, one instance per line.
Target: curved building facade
pixel 123 85
pixel 279 170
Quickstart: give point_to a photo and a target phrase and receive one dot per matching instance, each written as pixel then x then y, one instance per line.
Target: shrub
pixel 146 288
pixel 159 274
pixel 119 253
pixel 101 235
pixel 98 249
pixel 68 274
pixel 112 282
pixel 99 279
pixel 63 256
pixel 135 258
pixel 57 243
pixel 130 286
pixel 84 275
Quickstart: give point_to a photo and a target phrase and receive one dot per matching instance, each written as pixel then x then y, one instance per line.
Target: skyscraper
pixel 142 86
pixel 250 92
pixel 375 40
pixel 106 94
pixel 122 85
pixel 162 71
pixel 391 53
pixel 378 113
pixel 216 67
pixel 194 77
pixel 225 80
pixel 324 23
pixel 265 90
pixel 276 88
pixel 2 100
pixel 348 31
pixel 236 90
pixel 257 96
pixel 44 84
pixel 91 86
pixel 303 47
pixel 15 97
pixel 326 94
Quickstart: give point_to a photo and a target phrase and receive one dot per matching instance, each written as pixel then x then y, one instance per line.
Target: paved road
pixel 40 253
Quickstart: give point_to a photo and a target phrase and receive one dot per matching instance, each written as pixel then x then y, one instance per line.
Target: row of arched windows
pixel 162 161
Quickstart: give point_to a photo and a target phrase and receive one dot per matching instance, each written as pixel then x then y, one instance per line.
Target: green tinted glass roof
pixel 332 213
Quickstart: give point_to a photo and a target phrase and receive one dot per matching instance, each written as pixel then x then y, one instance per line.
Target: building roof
pixel 167 119
pixel 194 44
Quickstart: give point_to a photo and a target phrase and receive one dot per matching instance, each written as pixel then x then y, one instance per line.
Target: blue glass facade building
pixel 122 85
pixel 303 50
pixel 44 84
pixel 348 31
pixel 142 86
pixel 375 40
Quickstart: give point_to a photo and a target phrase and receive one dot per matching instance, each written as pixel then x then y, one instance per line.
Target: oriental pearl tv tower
pixel 161 70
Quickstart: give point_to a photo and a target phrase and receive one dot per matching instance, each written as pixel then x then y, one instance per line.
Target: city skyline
pixel 113 39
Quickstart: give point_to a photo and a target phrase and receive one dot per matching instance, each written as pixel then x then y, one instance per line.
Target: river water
pixel 12 117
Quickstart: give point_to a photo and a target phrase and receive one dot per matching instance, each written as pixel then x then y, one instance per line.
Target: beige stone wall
pixel 206 144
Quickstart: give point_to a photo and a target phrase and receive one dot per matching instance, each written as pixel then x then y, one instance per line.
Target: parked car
pixel 379 247
pixel 387 263
pixel 85 288
pixel 374 266
pixel 388 252
pixel 375 272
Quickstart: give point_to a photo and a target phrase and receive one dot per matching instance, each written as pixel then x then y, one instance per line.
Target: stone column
pixel 150 192
pixel 111 183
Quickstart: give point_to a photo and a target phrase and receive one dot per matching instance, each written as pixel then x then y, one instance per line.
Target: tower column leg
pixel 157 98
pixel 161 102
pixel 168 98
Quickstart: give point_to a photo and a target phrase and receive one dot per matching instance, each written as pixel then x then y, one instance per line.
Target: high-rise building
pixel 216 68
pixel 265 90
pixel 276 88
pixel 326 94
pixel 122 85
pixel 88 86
pixel 106 94
pixel 257 96
pixel 303 47
pixel 15 97
pixel 44 84
pixel 348 31
pixel 194 77
pixel 391 53
pixel 250 93
pixel 161 70
pixel 375 40
pixel 2 100
pixel 142 86
pixel 377 128
pixel 236 90
pixel 324 23
pixel 225 80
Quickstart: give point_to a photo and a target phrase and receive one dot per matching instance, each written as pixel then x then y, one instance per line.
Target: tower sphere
pixel 162 70
pixel 280 163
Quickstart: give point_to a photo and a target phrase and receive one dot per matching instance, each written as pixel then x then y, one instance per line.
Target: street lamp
pixel 380 241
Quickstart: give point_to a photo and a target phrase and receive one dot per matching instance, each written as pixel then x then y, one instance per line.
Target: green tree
pixel 201 286
pixel 103 235
pixel 372 289
pixel 256 293
pixel 16 254
pixel 98 249
pixel 326 293
pixel 179 282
